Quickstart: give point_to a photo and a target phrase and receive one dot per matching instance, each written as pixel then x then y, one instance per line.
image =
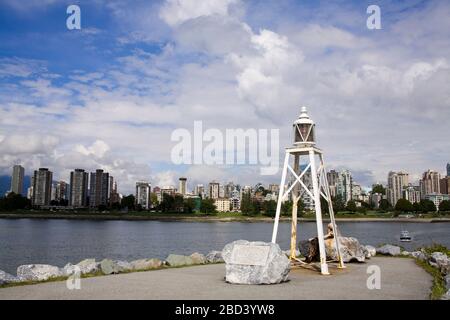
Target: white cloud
pixel 175 12
pixel 97 149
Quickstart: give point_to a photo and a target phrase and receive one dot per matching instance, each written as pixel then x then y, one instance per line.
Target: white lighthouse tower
pixel 304 149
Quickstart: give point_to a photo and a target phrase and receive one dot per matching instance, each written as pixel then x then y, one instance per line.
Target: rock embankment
pixel 44 272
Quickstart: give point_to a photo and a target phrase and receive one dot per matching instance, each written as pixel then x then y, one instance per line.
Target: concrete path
pixel 400 279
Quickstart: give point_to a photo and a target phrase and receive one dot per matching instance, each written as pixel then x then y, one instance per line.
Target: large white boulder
pixel 88 266
pixel 145 264
pixel 214 257
pixel 255 263
pixel 351 249
pixel 38 272
pixel 389 250
pixel 198 258
pixel 6 278
pixel 441 261
pixel 176 260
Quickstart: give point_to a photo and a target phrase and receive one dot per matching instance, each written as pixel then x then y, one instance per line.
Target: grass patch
pixel 438 289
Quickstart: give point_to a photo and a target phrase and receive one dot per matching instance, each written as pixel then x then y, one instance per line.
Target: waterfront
pixel 56 242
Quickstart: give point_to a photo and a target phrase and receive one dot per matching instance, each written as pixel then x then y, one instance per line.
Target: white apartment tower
pixel 143 190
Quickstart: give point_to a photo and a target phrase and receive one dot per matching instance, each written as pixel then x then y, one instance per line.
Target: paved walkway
pixel 400 279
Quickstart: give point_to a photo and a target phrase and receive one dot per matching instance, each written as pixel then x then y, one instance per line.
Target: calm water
pixel 57 242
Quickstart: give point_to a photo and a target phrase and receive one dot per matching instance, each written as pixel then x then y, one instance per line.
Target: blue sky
pixel 109 95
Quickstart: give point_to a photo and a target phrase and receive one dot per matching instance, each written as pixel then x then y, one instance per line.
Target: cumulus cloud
pixel 378 98
pixel 175 12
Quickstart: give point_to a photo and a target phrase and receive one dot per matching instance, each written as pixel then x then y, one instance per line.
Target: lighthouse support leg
pixel 323 260
pixel 280 198
pixel 295 198
pixel 330 207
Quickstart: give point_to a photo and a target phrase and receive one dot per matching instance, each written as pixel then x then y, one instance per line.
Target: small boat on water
pixel 405 237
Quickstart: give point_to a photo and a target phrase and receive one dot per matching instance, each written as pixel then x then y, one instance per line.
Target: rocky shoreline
pixel 35 273
pixel 32 273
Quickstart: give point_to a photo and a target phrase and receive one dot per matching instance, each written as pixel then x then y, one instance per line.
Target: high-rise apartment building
pixel 17 179
pixel 182 186
pixel 333 178
pixel 60 192
pixel 214 189
pixel 228 189
pixel 199 190
pixel 143 190
pixel 99 188
pixel 445 185
pixel 274 188
pixel 42 187
pixel 429 183
pixel 78 194
pixel 344 186
pixel 412 193
pixel 397 181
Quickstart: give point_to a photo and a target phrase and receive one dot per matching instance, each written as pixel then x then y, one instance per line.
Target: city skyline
pixel 396 184
pixel 136 73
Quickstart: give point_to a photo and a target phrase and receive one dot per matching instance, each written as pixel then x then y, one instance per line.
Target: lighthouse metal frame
pixel 304 147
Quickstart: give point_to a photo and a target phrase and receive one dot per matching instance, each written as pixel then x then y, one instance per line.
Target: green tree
pixel 417 207
pixel 14 202
pixel 256 207
pixel 384 205
pixel 246 203
pixel 351 206
pixel 189 205
pixel 427 206
pixel 378 188
pixel 324 205
pixel 404 205
pixel 128 202
pixel 338 204
pixel 154 199
pixel 207 206
pixel 167 203
pixel 270 208
pixel 286 208
pixel 444 206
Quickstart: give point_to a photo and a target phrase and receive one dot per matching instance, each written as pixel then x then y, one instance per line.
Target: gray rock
pixel 389 250
pixel 214 257
pixel 176 260
pixel 419 255
pixel 69 269
pixel 198 258
pixel 275 270
pixel 109 266
pixel 288 252
pixel 6 278
pixel 446 296
pixel 351 249
pixel 38 272
pixel 440 261
pixel 145 264
pixel 124 266
pixel 370 251
pixel 447 282
pixel 406 253
pixel 88 266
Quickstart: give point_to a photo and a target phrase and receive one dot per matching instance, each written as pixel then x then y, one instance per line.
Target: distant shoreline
pixel 193 218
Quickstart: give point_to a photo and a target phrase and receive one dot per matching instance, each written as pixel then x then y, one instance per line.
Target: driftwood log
pixel 310 248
